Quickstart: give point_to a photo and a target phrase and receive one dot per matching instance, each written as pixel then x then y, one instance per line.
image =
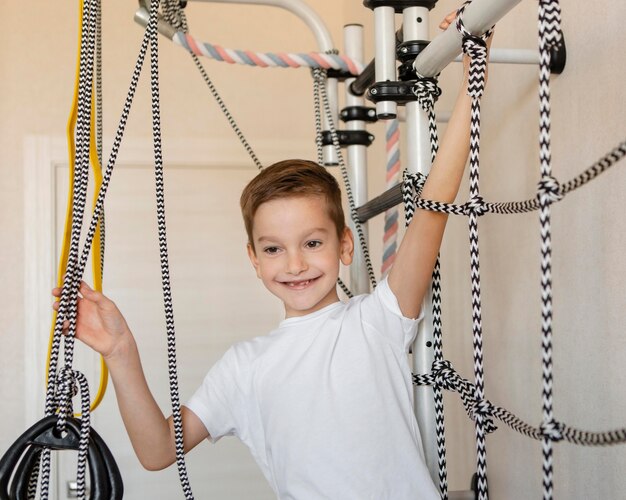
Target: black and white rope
pixel 99 122
pixel 175 16
pixel 319 89
pixel 549 36
pixel 76 269
pixel 443 374
pixel 68 304
pixel 151 39
pixel 530 205
pixel 165 270
pixel 427 92
pixel 475 48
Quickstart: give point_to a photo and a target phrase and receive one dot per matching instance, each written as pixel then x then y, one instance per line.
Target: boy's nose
pixel 296 263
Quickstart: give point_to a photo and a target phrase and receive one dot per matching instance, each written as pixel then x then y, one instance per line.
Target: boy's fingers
pixel 86 291
pixel 448 20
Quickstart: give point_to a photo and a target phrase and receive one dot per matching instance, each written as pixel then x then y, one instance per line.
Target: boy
pixel 324 402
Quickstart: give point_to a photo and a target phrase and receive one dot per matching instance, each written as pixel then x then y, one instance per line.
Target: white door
pixel 217 301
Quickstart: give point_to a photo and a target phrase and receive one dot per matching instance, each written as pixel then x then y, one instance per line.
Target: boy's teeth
pixel 294 283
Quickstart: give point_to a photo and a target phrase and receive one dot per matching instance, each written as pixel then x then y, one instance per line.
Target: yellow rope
pixel 95 250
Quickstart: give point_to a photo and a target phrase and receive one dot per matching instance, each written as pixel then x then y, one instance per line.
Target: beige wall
pixel 37 51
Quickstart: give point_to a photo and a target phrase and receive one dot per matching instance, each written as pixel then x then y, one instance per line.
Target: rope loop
pixel 465 33
pixel 549 189
pixel 475 47
pixel 475 205
pixel 427 92
pixel 552 430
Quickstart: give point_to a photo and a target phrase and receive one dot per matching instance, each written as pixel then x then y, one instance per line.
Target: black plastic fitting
pixel 399 5
pixel 348 138
pixel 362 113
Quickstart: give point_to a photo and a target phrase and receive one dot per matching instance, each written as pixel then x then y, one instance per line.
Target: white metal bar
pixel 357 159
pixel 479 16
pixel 385 60
pixel 415 26
pixel 511 56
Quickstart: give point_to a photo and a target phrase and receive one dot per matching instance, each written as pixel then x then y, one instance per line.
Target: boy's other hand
pixel 99 323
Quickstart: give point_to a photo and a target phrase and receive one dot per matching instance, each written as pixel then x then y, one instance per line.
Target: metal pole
pixel 418 159
pixel 357 159
pixel 385 40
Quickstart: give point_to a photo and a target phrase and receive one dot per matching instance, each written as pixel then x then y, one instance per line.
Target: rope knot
pixel 475 205
pixel 482 408
pixel 427 92
pixel 66 383
pixel 412 183
pixel 549 189
pixel 552 430
pixel 475 47
pixel 413 180
pixel 443 373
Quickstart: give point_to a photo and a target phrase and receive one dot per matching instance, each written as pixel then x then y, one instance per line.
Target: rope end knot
pixel 427 92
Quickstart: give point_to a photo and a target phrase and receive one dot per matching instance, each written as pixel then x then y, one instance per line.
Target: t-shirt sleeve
pixel 381 310
pixel 219 402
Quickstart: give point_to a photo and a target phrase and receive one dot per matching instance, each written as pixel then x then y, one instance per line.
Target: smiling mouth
pixel 298 285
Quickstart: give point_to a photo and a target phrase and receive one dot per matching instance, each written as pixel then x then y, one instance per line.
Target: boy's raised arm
pixel 410 276
pixel 102 327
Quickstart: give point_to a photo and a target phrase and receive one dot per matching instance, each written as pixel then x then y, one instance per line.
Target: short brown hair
pixel 291 178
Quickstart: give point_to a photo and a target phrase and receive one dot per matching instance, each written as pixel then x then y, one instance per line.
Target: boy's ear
pixel 253 259
pixel 346 247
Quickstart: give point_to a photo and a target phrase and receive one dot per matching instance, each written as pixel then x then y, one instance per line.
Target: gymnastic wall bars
pixel 479 16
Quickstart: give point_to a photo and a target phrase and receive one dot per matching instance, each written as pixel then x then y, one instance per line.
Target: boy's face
pixel 297 252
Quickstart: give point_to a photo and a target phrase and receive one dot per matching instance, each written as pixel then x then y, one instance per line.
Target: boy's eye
pixel 271 250
pixel 313 244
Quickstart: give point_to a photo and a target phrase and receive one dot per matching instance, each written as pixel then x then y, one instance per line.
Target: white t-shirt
pixel 324 403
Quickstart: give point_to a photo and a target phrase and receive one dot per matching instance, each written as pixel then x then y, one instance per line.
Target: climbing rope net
pixel 64 382
pixel 442 375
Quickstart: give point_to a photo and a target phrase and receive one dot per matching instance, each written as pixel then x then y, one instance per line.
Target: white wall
pixel 37 51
